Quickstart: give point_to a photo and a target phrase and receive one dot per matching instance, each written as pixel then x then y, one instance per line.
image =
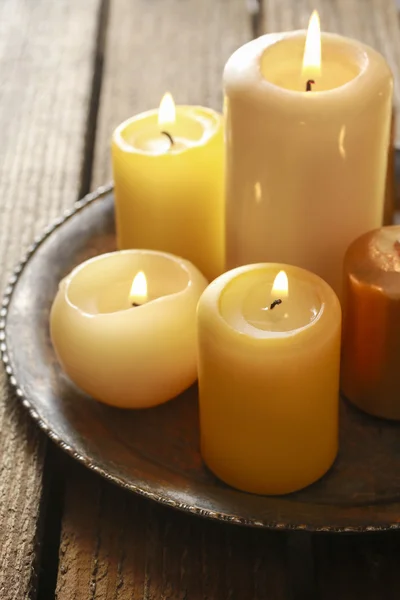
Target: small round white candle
pixel 131 346
pixel 269 377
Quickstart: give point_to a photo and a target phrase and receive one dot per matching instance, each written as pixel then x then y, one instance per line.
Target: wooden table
pixel 70 70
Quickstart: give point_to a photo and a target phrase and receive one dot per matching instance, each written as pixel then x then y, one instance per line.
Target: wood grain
pixel 152 47
pixel 352 567
pixel 46 51
pixel 374 22
pixel 116 546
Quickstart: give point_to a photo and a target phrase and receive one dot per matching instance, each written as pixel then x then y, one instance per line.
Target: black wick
pixel 309 83
pixel 169 136
pixel 135 304
pixel 275 303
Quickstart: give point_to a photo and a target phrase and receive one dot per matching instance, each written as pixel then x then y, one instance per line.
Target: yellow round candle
pixel 168 175
pixel 269 351
pixel 306 171
pixel 123 326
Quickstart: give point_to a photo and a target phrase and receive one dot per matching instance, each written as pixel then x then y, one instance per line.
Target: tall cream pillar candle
pixel 305 170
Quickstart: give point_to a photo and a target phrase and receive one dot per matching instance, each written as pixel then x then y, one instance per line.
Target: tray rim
pixel 79 205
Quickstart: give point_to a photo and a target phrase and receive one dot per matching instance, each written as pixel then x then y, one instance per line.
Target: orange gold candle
pixel 268 367
pixel 371 331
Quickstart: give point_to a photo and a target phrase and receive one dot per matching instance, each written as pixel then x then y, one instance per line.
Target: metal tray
pixel 155 452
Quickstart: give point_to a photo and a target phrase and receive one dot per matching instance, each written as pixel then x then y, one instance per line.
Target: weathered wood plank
pixel 46 51
pixel 375 22
pixel 365 566
pixel 116 546
pixel 152 47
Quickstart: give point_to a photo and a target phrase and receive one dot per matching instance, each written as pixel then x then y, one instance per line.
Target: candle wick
pixel 169 136
pixel 135 304
pixel 309 83
pixel 275 303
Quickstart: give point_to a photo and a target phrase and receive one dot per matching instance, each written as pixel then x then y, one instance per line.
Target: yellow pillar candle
pixel 305 170
pixel 168 174
pixel 269 350
pixel 123 326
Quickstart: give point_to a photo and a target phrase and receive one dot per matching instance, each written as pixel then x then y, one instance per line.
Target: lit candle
pixel 269 351
pixel 168 174
pixel 370 374
pixel 307 147
pixel 131 345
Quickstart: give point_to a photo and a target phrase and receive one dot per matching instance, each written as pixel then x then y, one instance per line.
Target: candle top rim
pixel 373 259
pixel 327 299
pixel 209 119
pixel 181 263
pixel 250 329
pixel 244 66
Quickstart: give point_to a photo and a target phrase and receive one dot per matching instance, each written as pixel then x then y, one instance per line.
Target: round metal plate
pixel 156 452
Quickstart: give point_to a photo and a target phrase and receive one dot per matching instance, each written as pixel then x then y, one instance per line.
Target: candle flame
pixel 167 112
pixel 280 289
pixel 138 293
pixel 312 49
